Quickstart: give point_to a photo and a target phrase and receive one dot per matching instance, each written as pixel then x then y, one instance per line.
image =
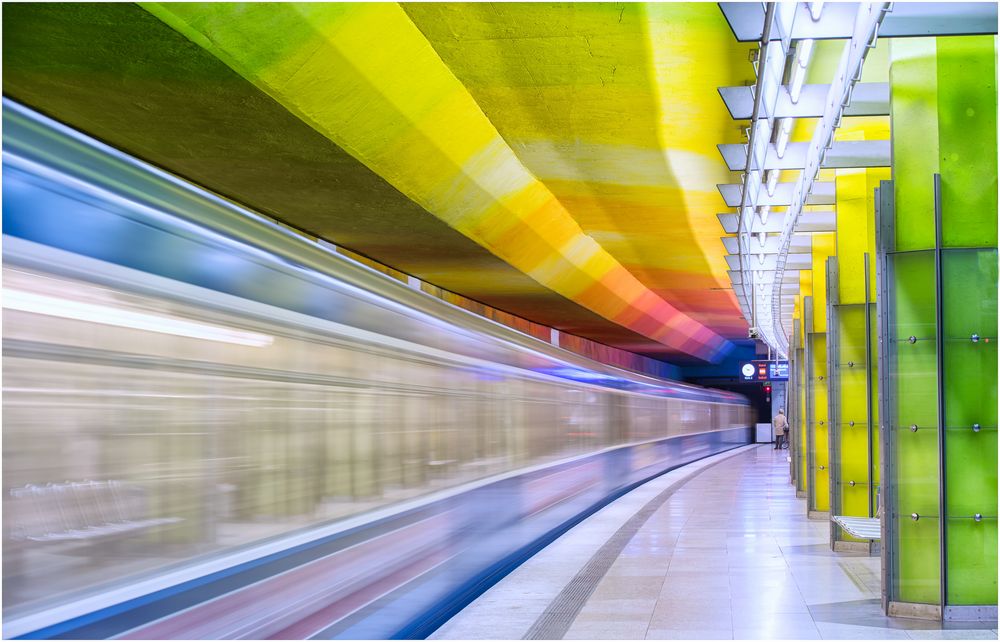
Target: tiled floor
pixel 729 554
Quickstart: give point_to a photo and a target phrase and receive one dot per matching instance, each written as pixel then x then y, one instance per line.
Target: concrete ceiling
pixel 554 161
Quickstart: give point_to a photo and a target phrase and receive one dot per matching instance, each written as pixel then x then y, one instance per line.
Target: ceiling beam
pixel 868 99
pixel 770 263
pixel 907 19
pixel 841 155
pixel 768 277
pixel 808 222
pixel 822 193
pixel 800 243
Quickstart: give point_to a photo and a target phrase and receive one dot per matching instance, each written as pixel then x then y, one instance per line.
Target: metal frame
pixel 807 305
pixel 832 390
pixel 885 243
pixel 939 335
pixel 793 406
pixel 868 383
pixel 801 461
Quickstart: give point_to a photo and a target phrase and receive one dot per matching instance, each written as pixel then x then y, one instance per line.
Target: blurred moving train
pixel 216 428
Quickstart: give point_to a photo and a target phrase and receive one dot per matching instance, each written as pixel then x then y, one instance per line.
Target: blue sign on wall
pixel 777 370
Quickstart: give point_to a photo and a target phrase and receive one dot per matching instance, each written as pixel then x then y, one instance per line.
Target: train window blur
pixel 198 441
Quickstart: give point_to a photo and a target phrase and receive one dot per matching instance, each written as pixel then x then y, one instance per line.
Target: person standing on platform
pixel 780 423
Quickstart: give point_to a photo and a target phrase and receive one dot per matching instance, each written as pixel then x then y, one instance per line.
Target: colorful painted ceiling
pixel 554 160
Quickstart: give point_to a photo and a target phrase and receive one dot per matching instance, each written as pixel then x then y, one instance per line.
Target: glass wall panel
pixel 851 403
pixel 970 402
pixel 819 438
pixel 913 398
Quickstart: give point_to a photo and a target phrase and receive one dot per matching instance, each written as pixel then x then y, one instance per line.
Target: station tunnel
pixel 500 320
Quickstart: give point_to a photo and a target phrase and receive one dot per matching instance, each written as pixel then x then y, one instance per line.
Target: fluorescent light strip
pixel 92 313
pixel 784 131
pixel 772 180
pixel 803 54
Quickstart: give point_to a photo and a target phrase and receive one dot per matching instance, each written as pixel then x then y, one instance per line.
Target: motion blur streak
pixel 51 306
pixel 216 429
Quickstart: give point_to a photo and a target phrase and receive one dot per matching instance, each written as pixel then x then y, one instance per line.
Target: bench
pixel 77 511
pixel 860 527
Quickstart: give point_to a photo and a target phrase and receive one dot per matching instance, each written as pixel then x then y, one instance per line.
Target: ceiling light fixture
pixel 784 131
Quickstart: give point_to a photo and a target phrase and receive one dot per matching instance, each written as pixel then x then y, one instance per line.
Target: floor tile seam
pixel 798 587
pixel 575 595
pixel 656 603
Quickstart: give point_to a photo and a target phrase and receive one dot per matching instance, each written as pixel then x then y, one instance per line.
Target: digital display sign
pixel 764 370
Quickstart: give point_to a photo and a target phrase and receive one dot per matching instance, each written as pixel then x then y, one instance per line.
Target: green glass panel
pixel 972 561
pixel 914 139
pixel 970 311
pixel 970 368
pixel 915 315
pixel 914 401
pixel 918 572
pixel 917 471
pixel 971 472
pixel 967 131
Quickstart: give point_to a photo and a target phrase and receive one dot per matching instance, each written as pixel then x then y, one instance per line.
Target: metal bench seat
pixel 860 527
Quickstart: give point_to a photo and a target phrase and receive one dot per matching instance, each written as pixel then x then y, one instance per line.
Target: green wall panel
pixel 943 105
pixel 967 122
pixel 918 573
pixel 913 113
pixel 972 562
pixel 970 368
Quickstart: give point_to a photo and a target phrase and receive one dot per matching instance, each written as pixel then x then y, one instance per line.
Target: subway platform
pixel 719 549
